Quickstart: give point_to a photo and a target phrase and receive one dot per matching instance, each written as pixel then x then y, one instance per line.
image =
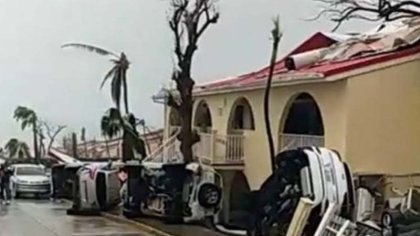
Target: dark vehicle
pixel 62 178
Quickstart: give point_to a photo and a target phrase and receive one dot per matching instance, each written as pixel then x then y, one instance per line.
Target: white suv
pixel 29 179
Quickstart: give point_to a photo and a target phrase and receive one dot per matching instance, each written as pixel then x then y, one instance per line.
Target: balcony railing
pixel 291 141
pixel 220 149
pixel 212 148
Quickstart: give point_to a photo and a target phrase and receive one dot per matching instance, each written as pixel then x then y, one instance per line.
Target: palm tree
pixel 28 118
pixel 276 34
pixel 83 138
pixel 111 125
pixel 17 148
pixel 117 74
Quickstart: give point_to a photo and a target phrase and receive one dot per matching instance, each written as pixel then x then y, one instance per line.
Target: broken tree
pixel 189 19
pixel 339 11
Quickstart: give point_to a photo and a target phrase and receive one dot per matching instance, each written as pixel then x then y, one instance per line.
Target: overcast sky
pixel 63 85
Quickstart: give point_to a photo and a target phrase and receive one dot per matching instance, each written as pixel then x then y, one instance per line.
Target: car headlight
pixel 22 181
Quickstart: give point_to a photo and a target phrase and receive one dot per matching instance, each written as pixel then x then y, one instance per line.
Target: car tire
pixel 388 225
pixel 209 195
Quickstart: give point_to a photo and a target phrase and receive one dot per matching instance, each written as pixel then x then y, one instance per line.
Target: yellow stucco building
pixel 363 103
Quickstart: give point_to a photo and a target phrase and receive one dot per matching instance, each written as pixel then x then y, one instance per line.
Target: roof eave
pixel 279 80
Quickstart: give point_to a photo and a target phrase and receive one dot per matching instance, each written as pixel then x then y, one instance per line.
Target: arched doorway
pixel 240 200
pixel 202 118
pixel 301 124
pixel 241 116
pixel 241 119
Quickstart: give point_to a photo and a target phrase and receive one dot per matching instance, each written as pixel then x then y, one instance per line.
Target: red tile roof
pixel 325 68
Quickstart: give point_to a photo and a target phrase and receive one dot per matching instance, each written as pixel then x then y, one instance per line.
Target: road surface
pixel 44 218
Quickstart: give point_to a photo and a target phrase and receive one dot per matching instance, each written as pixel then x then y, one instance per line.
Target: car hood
pixel 33 178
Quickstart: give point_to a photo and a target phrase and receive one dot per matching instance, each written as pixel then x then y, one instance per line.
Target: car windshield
pixel 30 170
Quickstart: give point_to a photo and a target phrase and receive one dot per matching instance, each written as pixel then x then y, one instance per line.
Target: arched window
pixel 241 116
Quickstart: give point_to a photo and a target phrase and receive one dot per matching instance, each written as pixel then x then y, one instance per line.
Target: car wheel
pixel 209 195
pixel 388 226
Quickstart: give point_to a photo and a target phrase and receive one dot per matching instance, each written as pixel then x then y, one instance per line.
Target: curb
pixel 144 227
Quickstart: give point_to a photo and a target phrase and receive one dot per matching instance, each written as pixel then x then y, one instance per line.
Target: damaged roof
pixel 327 54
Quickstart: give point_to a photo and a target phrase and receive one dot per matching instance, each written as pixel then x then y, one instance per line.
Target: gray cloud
pixel 63 85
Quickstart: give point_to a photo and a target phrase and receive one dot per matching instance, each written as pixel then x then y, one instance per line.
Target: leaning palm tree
pixel 17 148
pixel 117 74
pixel 28 118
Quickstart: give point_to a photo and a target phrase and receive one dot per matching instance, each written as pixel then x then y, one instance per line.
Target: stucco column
pixel 227 176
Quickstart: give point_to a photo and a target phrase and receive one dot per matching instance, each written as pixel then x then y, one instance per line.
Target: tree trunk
pixel 276 40
pixel 35 133
pixel 107 146
pixel 86 149
pixel 186 130
pixel 74 145
pixel 127 111
pixel 127 147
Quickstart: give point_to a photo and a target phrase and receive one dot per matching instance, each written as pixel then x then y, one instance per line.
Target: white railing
pixel 291 141
pixel 212 148
pixel 229 148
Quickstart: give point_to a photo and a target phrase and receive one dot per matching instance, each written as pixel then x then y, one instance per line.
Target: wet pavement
pixel 172 229
pixel 45 218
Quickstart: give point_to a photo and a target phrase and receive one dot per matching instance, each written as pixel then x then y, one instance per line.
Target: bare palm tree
pixel 17 148
pixel 276 34
pixel 117 74
pixel 28 118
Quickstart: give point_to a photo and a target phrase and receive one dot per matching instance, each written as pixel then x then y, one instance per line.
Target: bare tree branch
pixel 340 11
pixel 52 131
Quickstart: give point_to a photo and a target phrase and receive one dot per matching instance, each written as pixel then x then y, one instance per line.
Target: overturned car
pixel 92 187
pixel 315 173
pixel 174 192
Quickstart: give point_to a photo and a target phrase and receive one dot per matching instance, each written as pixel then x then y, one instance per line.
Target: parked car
pixel 29 179
pixel 173 192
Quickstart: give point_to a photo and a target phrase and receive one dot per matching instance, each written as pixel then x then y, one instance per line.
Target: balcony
pixel 292 141
pixel 222 151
